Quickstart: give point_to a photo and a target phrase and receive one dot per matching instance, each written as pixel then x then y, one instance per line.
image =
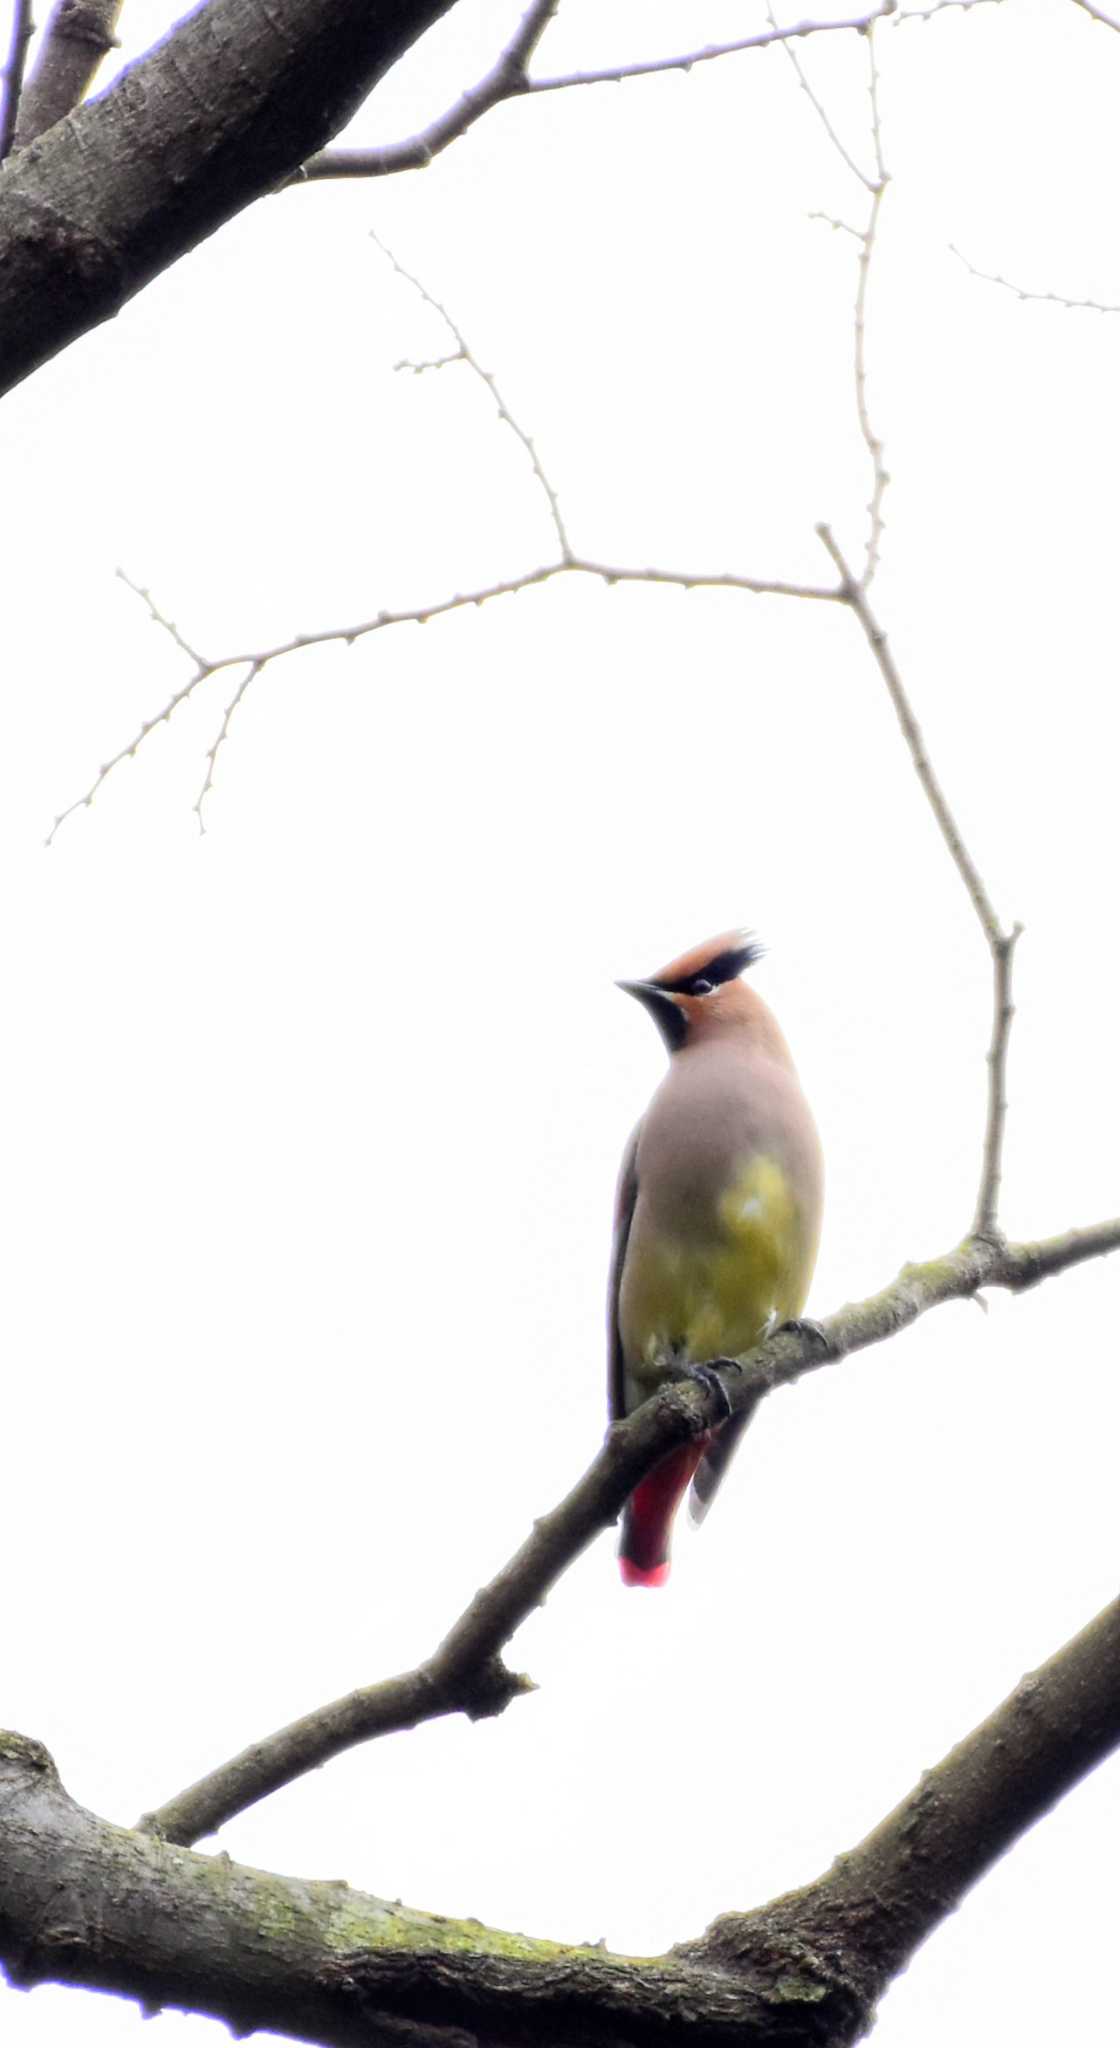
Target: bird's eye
pixel 700 986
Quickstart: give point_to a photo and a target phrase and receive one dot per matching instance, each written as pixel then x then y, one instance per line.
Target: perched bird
pixel 716 1222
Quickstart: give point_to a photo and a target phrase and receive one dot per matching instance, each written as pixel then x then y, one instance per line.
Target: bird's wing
pixel 625 1199
pixel 715 1462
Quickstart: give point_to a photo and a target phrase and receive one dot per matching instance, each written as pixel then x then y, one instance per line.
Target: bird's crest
pixel 704 967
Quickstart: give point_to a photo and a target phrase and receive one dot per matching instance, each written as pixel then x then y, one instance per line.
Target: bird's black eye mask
pixel 723 968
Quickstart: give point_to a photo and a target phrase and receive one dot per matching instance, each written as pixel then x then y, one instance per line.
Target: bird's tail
pixel 717 1455
pixel 647 1519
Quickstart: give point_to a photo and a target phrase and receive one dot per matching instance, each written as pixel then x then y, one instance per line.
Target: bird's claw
pixel 805 1326
pixel 708 1375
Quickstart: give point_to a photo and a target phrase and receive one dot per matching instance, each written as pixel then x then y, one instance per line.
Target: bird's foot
pixel 708 1375
pixel 805 1326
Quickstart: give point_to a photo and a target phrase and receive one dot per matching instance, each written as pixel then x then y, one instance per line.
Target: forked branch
pixel 465 1673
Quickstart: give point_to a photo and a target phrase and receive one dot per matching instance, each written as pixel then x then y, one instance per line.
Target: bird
pixel 717 1220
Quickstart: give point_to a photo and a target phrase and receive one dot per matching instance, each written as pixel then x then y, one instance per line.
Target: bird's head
pixel 700 993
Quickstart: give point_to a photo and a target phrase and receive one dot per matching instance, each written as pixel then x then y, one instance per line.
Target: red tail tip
pixel 643 1575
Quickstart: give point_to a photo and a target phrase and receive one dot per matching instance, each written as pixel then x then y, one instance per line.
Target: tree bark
pixel 220 112
pixel 84 1902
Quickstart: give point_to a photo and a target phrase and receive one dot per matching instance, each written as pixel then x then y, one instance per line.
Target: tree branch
pixel 257 661
pixel 84 1902
pixel 875 184
pixel 1098 14
pixel 509 79
pixel 1019 291
pixel 185 139
pixel 78 36
pixel 465 1674
pixel 11 77
pixel 1001 944
pixel 867 1916
pixel 464 354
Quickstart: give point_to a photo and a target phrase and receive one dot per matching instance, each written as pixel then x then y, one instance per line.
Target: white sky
pixel 313 1123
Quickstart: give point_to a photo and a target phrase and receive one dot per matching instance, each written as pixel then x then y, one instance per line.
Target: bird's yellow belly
pixel 715 1290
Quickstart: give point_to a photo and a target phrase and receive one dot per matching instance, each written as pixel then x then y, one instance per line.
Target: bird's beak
pixel 666 1013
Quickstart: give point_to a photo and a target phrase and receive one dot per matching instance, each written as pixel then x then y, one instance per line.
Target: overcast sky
pixel 314 1121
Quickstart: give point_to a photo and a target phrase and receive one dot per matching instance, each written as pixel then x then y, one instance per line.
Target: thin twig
pixel 334 636
pixel 875 184
pixel 1001 944
pixel 817 104
pixel 465 1673
pixel 839 227
pixel 160 619
pixel 250 676
pixel 202 670
pixel 464 354
pixel 879 476
pixel 11 77
pixel 1039 298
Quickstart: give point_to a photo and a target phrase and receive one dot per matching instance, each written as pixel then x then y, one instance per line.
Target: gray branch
pixel 78 36
pixel 86 1903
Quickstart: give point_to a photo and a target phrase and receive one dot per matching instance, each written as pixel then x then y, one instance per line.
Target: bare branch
pixel 819 108
pixel 509 80
pixel 465 1674
pixel 880 476
pixel 464 354
pixel 420 615
pixel 986 1220
pixel 160 619
pixel 78 36
pixel 1039 298
pixel 11 77
pixel 876 185
pixel 853 594
pixel 1001 944
pixel 202 670
pixel 506 79
pixel 1098 13
pixel 250 676
pixel 839 227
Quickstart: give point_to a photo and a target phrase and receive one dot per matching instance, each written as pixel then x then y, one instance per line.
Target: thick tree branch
pixel 84 1902
pixel 878 1903
pixel 185 139
pixel 465 1674
pixel 78 36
